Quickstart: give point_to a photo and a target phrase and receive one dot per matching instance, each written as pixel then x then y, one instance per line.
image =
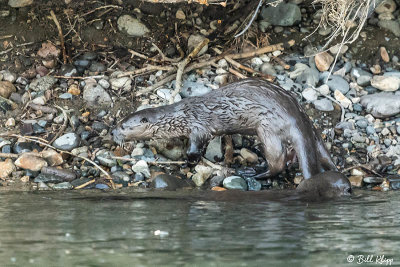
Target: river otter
pixel 251 107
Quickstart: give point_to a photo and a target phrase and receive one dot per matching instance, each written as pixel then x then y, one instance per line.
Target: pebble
pixel 43 83
pixel 390 25
pixel 19 3
pixel 52 157
pixel 123 83
pixel 252 184
pixel 10 122
pixel 105 158
pixel 323 61
pixel 102 186
pixel 386 83
pixel 190 89
pixel 268 68
pixel 201 175
pixel 170 182
pixel 142 167
pixel 249 156
pixel 31 162
pixel 214 150
pixel 104 83
pixel 67 141
pixel 68 70
pixel 387 6
pixel 323 89
pixel 235 182
pixel 342 99
pixel 180 14
pixel 6 168
pixel 310 94
pixel 336 82
pixel 364 80
pixel 62 186
pixel 6 89
pixel 131 26
pixel 356 180
pixel 323 105
pixel 96 95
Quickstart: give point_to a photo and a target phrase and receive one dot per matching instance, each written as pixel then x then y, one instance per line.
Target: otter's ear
pixel 144 120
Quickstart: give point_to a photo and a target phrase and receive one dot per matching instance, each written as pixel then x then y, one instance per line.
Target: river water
pixel 196 228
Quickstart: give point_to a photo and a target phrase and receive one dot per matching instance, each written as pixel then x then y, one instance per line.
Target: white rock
pixel 385 83
pixel 310 94
pixel 342 99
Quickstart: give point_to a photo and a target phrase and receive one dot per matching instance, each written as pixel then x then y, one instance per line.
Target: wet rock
pixel 123 83
pixel 141 167
pixel 381 105
pixel 386 83
pixel 285 14
pixel 102 186
pixel 67 141
pixel 138 177
pixel 89 56
pixel 43 83
pixel 81 181
pixel 235 182
pixel 216 181
pixel 169 182
pixel 96 95
pixel 252 184
pixel 6 168
pixel 6 89
pixel 22 147
pixel 194 40
pixel 249 156
pixel 214 150
pixel 323 61
pixel 31 162
pixel 19 3
pixel 62 186
pixel 105 158
pixel 82 63
pixel 61 174
pixel 268 68
pixel 121 177
pixel 323 105
pixel 201 175
pixel 131 26
pixel 390 25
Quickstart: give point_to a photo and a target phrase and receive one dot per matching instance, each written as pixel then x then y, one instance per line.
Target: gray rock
pixel 285 14
pixel 123 83
pixel 48 178
pixel 214 150
pixel 364 80
pixel 172 149
pixel 104 83
pixel 253 184
pixel 357 72
pixel 96 95
pixel 190 89
pixel 141 167
pixel 169 182
pixel 310 94
pixel 67 141
pixel 63 186
pixel 19 3
pixel 392 74
pixel 309 77
pixel 235 182
pixel 131 26
pixel 323 105
pixel 381 105
pixel 336 82
pixel 390 25
pixel 68 70
pixel 43 83
pixel 105 158
pixel 362 123
pixel 97 67
pixel 370 130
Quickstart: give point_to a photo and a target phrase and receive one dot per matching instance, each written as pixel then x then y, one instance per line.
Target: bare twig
pixel 148 68
pixel 60 34
pixel 9 155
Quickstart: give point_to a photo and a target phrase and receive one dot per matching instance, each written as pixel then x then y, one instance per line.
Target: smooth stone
pixel 194 40
pixel 131 26
pixel 19 3
pixel 362 123
pixel 97 67
pixel 169 182
pixel 310 94
pixel 386 6
pixel 373 180
pixel 336 82
pixel 67 141
pixel 253 184
pixel 89 55
pixel 386 83
pixel 62 186
pixel 31 162
pixel 364 80
pixel 96 95
pixel 214 151
pixel 104 83
pixel 6 89
pixel 102 186
pixel 390 25
pixel 268 68
pixel 123 83
pixel 323 105
pixel 6 168
pixel 381 105
pixel 235 182
pixel 201 175
pixel 48 178
pixel 106 158
pixel 142 167
pixel 357 72
pixel 370 130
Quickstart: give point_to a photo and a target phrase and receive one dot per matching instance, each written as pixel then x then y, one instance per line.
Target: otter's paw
pixel 329 184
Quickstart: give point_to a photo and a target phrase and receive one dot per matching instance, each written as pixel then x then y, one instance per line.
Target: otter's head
pixel 329 184
pixel 137 126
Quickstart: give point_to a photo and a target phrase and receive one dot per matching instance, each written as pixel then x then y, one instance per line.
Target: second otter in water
pixel 251 107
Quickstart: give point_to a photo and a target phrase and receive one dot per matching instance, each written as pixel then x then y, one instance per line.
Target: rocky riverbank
pixel 57 116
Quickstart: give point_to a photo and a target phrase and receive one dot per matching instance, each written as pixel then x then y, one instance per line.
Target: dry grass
pixel 345 17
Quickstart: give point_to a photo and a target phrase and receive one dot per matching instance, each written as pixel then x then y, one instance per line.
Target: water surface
pixel 195 229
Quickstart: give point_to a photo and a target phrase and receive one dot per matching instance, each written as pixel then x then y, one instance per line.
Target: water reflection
pixel 43 229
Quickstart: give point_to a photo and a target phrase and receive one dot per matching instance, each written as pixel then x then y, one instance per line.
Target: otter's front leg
pixel 197 143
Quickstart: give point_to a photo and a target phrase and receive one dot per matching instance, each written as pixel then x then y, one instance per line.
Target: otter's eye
pixel 144 120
